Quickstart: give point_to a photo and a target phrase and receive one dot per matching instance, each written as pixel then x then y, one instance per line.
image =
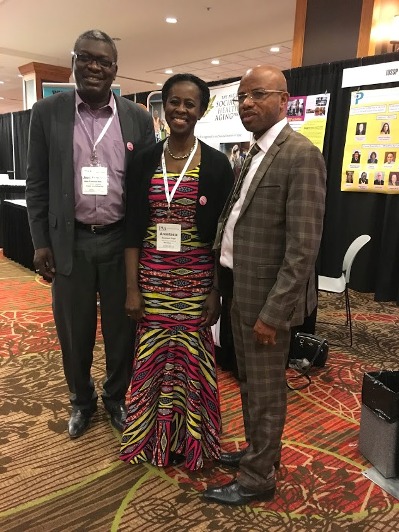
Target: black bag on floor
pixel 308 351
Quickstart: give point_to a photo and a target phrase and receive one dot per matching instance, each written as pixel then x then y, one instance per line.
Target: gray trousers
pixel 261 372
pixel 98 268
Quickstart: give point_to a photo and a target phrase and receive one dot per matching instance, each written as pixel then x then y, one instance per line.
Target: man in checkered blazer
pixel 269 237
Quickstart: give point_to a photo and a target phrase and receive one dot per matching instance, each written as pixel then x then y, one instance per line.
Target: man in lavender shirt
pixel 80 143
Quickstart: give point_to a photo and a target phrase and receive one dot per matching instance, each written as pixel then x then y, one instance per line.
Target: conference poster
pixel 371 155
pixel 308 115
pixel 221 126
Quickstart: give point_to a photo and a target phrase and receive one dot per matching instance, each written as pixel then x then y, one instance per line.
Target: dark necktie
pixel 235 194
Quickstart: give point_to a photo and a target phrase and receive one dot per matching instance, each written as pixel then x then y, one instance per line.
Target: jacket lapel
pixel 65 120
pixel 264 166
pixel 127 125
pixel 125 119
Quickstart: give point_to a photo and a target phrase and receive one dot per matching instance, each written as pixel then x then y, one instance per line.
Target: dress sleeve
pixel 137 206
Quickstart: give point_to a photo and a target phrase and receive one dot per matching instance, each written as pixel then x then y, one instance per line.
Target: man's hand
pixel 134 305
pixel 43 262
pixel 264 334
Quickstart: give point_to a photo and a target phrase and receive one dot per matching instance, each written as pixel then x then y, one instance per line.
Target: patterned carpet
pixel 50 483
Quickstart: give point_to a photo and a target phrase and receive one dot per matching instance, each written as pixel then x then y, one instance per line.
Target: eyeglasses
pixel 256 95
pixel 86 59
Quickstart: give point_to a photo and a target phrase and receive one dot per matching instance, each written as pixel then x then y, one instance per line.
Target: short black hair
pixel 97 35
pixel 178 78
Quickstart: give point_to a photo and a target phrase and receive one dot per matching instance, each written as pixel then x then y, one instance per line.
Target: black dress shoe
pixel 118 416
pixel 233 459
pixel 236 495
pixel 79 422
pixel 176 459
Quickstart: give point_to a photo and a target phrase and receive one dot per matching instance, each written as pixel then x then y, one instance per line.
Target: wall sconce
pixel 395 34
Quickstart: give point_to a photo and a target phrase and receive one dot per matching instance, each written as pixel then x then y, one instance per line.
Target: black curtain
pixel 350 214
pixel 21 132
pixel 6 163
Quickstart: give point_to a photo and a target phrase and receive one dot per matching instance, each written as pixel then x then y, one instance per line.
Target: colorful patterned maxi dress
pixel 173 403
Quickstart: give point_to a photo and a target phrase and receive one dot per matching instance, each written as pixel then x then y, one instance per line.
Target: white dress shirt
pixel 264 142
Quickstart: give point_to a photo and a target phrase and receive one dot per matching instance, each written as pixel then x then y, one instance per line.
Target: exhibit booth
pixel 348 215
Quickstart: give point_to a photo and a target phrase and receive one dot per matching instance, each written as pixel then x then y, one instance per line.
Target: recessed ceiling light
pixel 168 71
pixel 1 82
pixel 159 84
pixel 215 62
pixel 1 98
pixel 171 20
pixel 275 49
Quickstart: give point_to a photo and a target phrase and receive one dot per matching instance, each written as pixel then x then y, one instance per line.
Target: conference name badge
pixel 95 180
pixel 168 237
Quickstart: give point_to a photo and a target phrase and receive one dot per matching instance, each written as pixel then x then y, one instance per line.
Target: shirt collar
pixel 266 140
pixel 110 105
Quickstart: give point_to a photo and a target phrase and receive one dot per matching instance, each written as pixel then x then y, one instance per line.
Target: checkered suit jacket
pixel 278 232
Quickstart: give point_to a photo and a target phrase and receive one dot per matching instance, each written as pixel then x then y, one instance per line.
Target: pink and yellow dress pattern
pixel 173 401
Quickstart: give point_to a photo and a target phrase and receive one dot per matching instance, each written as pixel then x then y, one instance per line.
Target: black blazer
pixel 50 195
pixel 216 179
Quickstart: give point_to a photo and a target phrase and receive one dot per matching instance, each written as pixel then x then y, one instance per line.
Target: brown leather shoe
pixel 233 459
pixel 236 495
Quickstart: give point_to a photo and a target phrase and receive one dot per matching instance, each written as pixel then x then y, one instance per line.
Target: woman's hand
pixel 211 309
pixel 134 305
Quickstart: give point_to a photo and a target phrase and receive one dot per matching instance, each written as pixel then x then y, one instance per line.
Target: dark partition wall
pixel 21 132
pixel 349 214
pixel 6 162
pixel 14 128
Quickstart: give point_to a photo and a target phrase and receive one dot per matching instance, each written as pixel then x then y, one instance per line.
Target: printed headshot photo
pixel 390 157
pixel 373 159
pixel 363 179
pixel 379 178
pixel 361 128
pixel 349 176
pixel 385 129
pixel 320 111
pixel 393 179
pixel 356 157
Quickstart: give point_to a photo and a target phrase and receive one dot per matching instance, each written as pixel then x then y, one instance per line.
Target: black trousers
pixel 98 268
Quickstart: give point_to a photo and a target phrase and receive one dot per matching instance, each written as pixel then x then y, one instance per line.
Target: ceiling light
pixel 159 84
pixel 2 82
pixel 168 71
pixel 215 62
pixel 275 49
pixel 1 98
pixel 171 20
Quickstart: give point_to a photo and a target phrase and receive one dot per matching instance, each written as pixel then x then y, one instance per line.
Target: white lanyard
pixel 101 135
pixel 169 195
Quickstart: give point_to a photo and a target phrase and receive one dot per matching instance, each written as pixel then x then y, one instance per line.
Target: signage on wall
pixel 371 74
pixel 48 89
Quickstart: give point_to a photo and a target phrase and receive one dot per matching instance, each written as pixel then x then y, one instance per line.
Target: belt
pixel 98 229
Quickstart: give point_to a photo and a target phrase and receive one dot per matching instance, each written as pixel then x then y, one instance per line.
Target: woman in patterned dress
pixel 175 194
